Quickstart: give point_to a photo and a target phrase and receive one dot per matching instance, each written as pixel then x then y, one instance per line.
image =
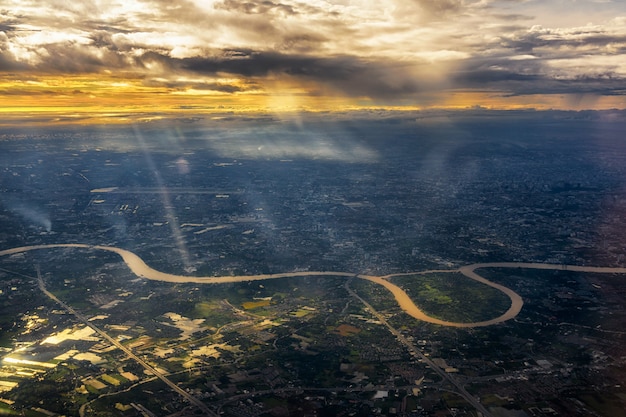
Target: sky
pixel 114 58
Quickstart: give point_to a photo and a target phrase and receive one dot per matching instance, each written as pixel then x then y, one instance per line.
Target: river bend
pixel 141 269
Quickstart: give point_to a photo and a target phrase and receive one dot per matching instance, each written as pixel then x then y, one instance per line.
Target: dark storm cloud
pixel 532 76
pixel 255 63
pixel 7 63
pixel 554 40
pixel 7 27
pixel 389 50
pixel 482 77
pixel 349 74
pixel 542 60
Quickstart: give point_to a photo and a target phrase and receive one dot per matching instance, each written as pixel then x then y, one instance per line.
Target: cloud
pixel 540 60
pixel 314 138
pixel 258 7
pixel 25 92
pixel 535 76
pixel 29 212
pixel 428 11
pixel 554 41
pixel 389 51
pixel 509 17
pixel 439 8
pixel 7 26
pixel 195 85
pixel 348 74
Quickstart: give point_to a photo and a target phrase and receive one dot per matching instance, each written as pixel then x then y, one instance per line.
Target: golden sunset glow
pixel 138 58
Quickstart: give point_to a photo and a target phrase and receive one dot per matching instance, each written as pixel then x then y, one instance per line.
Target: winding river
pixel 141 269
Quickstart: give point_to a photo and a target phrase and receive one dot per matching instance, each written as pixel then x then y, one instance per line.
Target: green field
pixel 454 297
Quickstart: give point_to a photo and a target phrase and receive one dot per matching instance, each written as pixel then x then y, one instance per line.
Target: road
pixel 416 353
pixel 192 400
pixel 139 268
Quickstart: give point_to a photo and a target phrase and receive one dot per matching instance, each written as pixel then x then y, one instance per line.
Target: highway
pixel 141 269
pixel 190 398
pixel 416 353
